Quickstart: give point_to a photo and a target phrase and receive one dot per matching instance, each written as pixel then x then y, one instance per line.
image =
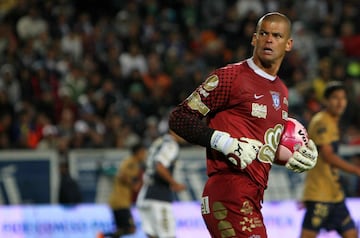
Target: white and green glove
pixel 303 159
pixel 240 152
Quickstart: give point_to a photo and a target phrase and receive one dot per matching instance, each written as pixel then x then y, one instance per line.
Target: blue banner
pixel 28 177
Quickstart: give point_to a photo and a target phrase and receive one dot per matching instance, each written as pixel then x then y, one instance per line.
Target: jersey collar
pixel 259 71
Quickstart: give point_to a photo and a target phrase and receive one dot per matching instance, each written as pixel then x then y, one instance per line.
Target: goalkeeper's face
pixel 271 41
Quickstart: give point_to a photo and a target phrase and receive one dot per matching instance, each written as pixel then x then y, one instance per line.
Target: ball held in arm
pixel 304 159
pixel 292 138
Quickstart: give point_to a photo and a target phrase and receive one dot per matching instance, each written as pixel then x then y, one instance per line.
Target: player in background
pixel 126 185
pixel 323 195
pixel 238 114
pixel 155 198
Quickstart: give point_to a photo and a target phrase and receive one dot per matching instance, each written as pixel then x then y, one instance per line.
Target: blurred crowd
pixel 104 74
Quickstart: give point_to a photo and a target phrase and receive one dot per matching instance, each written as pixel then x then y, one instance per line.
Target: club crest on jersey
pixel 276 99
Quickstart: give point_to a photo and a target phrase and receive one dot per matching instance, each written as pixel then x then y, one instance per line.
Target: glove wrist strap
pixel 220 141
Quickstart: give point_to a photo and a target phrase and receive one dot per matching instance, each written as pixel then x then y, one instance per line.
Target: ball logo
pixel 303 134
pixel 293 137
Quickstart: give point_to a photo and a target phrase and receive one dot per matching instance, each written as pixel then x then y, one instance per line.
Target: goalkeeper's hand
pixel 240 152
pixel 303 159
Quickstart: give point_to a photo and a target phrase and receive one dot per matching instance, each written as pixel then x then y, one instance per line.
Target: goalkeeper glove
pixel 303 159
pixel 240 152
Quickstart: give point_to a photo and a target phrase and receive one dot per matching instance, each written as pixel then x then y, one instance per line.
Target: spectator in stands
pixel 74 82
pixel 244 7
pixel 212 13
pixel 31 25
pixel 304 45
pixel 326 41
pixel 131 60
pixel 49 138
pixel 323 76
pixel 10 84
pixel 350 39
pixel 5 130
pixel 157 81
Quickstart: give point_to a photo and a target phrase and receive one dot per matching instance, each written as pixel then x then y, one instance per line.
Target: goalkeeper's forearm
pixel 190 126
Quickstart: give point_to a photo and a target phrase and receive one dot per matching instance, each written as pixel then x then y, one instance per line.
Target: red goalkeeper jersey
pixel 244 101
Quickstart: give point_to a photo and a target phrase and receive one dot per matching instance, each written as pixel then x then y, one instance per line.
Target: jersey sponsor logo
pixel 211 83
pixel 276 100
pixel 284 115
pixel 285 101
pixel 205 208
pixel 247 208
pixel 220 213
pixel 248 224
pixel 258 96
pixel 194 100
pixel 195 103
pixel 203 92
pixel 321 212
pixel 271 142
pixel 258 110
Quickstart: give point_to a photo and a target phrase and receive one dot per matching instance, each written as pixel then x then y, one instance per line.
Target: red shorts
pixel 231 205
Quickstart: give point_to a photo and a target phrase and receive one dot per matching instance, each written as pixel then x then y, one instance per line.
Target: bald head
pixel 271 41
pixel 275 17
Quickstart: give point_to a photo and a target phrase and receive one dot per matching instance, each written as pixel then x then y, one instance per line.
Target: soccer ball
pixel 293 137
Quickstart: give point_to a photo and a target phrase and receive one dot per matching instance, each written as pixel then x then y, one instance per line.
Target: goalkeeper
pixel 238 114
